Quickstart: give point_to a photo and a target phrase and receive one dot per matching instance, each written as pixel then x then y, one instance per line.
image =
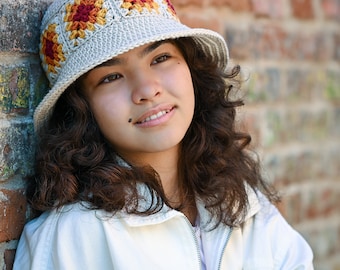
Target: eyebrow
pixel 147 50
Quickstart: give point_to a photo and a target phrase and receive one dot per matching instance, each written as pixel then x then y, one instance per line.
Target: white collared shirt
pixel 81 239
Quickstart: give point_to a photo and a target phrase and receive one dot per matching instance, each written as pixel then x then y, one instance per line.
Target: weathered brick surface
pixel 272 41
pixel 14 89
pixel 20 29
pixel 12 214
pixel 22 84
pixel 17 144
pixel 9 258
pixel 290 55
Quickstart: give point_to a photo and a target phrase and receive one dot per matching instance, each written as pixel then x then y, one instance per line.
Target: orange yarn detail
pixel 82 15
pixel 139 5
pixel 51 49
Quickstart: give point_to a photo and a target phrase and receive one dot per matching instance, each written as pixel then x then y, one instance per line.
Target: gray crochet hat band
pixel 78 35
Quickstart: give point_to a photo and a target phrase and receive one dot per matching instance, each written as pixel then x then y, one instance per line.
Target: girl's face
pixel 142 100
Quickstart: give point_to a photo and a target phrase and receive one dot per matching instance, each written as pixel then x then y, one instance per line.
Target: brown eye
pixel 161 58
pixel 111 77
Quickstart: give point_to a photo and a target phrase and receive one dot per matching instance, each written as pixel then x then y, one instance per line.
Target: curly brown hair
pixel 75 163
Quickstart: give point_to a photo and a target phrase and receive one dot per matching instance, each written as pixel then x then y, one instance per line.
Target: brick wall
pixel 290 54
pixel 21 87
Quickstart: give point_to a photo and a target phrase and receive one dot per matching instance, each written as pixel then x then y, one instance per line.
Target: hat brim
pixel 111 41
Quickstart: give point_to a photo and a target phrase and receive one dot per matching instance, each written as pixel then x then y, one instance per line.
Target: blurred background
pixel 289 52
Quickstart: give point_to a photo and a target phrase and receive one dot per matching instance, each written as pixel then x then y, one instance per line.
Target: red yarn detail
pixel 171 6
pixel 49 52
pixel 139 2
pixel 83 13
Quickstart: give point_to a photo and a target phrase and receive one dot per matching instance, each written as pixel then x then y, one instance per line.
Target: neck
pixel 166 165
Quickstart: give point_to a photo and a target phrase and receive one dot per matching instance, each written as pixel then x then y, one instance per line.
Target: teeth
pixel 155 116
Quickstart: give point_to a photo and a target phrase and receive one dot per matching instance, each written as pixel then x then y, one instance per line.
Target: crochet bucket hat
pixel 78 35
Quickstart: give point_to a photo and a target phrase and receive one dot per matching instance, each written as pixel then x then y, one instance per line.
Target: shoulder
pixel 62 218
pixel 268 231
pixel 57 235
pixel 68 222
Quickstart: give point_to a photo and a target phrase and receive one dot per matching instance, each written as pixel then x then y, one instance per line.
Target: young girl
pixel 139 164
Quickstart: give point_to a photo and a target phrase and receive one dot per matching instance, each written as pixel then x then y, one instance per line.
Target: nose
pixel 145 87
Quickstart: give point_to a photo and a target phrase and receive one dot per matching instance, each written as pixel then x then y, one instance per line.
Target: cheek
pixel 181 79
pixel 108 111
pixel 187 85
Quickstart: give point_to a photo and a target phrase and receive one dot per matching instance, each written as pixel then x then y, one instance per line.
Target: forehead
pixel 141 52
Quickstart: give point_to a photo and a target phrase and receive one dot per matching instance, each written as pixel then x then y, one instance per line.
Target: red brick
pixel 312 209
pixel 12 214
pixel 178 3
pixel 267 41
pixel 220 2
pixel 301 46
pixel 321 203
pixel 9 258
pixel 268 8
pixel 302 9
pixel 201 21
pixel 292 208
pixel 331 8
pixel 328 202
pixel 240 5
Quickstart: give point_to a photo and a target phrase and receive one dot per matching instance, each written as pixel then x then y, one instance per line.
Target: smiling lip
pixel 155 116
